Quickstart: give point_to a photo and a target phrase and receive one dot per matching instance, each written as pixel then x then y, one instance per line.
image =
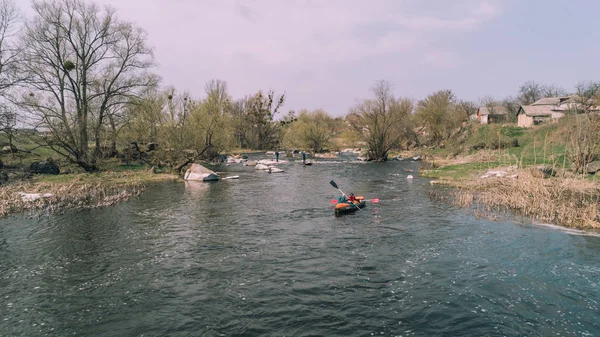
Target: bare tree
pixel 217 92
pixel 584 145
pixel 383 121
pixel 259 114
pixel 512 107
pixel 552 91
pixel 8 122
pixel 467 108
pixel 82 63
pixel 586 98
pixel 531 91
pixel 10 16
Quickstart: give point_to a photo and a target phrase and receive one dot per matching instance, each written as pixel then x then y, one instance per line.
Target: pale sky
pixel 328 53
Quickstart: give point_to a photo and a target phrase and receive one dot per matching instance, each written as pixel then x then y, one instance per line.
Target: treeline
pixel 85 78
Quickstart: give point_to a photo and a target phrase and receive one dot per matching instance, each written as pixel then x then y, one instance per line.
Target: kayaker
pixel 352 198
pixel 342 199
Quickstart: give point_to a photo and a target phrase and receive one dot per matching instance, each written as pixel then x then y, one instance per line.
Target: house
pixel 543 110
pixel 530 115
pixel 492 114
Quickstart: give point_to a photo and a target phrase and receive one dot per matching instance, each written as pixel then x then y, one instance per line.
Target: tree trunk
pixel 87 166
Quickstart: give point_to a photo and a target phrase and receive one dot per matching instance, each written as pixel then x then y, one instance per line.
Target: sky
pixel 329 53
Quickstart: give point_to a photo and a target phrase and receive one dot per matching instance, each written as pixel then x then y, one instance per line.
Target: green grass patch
pixel 459 171
pixel 511 131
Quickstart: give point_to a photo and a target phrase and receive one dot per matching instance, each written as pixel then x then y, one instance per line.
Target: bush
pixel 478 146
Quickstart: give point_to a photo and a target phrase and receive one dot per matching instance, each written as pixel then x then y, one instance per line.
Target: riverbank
pixel 542 193
pixel 81 190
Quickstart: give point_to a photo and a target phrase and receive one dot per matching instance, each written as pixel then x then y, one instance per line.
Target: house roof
pixel 536 110
pixel 550 100
pixel 492 110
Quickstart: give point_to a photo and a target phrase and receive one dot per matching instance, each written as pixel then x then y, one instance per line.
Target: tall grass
pixel 64 196
pixel 568 199
pixel 76 190
pixel 570 202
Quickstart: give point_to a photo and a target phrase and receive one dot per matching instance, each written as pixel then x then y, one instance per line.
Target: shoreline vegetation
pixel 567 200
pixel 81 190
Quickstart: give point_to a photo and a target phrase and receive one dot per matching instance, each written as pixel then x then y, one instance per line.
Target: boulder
pixel 251 163
pixel 9 149
pixel 151 147
pixel 234 160
pixel 272 162
pixel 478 146
pixel 546 171
pixel 273 169
pixel 261 167
pixel 44 167
pixel 591 168
pixel 494 173
pixel 201 173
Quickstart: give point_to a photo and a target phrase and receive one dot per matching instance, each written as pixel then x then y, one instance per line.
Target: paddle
pixel 336 186
pixel 334 201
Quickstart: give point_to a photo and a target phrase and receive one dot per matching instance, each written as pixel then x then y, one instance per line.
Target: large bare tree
pixel 531 91
pixel 83 64
pixel 384 121
pixel 10 17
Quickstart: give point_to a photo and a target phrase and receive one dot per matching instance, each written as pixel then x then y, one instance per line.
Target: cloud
pixel 298 45
pixel 441 58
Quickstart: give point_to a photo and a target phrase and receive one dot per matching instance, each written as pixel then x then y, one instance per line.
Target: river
pixel 264 256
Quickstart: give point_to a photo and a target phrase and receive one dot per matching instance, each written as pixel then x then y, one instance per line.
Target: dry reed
pixel 66 195
pixel 567 201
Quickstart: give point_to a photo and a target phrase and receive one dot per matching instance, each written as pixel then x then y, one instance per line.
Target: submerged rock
pixel 274 170
pixel 272 162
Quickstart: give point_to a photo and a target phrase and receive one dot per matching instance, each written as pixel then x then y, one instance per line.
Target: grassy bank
pixel 566 201
pixel 562 198
pixel 81 190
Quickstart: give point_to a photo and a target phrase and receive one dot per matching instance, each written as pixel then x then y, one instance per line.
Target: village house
pixel 492 114
pixel 544 110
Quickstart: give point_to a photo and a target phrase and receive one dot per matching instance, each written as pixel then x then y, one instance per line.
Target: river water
pixel 265 256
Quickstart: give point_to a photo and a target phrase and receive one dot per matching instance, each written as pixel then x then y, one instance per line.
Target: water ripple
pixel 264 255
